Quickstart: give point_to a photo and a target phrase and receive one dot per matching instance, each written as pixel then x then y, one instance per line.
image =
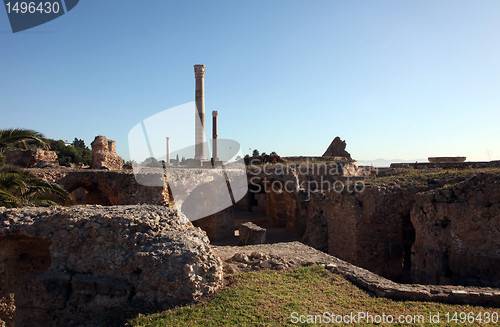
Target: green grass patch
pixel 268 298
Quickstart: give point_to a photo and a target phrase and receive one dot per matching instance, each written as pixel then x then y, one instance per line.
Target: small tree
pixel 273 154
pixel 255 153
pixel 263 154
pixel 151 162
pixel 79 143
pixel 247 156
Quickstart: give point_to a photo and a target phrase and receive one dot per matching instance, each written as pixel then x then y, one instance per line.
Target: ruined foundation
pixel 66 266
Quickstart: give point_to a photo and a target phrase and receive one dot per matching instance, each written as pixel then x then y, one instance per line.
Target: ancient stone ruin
pixel 66 266
pixel 337 149
pixel 426 233
pixel 104 154
pixel 344 223
pixel 104 187
pixel 446 159
pixel 457 235
pixel 31 158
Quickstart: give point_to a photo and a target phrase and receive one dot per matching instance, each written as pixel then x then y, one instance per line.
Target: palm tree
pixel 19 187
pixel 9 137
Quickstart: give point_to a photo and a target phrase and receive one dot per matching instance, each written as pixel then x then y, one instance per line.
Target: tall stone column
pixel 199 73
pixel 168 150
pixel 214 135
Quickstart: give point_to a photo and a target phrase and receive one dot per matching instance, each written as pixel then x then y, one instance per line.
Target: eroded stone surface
pixel 241 262
pixel 458 234
pixel 105 187
pixel 104 154
pixel 371 229
pixel 252 234
pixel 31 158
pixel 316 234
pixel 337 149
pixel 99 258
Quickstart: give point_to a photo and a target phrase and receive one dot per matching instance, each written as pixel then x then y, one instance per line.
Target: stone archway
pixel 79 196
pixel 92 193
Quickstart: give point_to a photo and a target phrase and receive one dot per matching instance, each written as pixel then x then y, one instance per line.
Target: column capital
pixel 199 71
pixel 215 113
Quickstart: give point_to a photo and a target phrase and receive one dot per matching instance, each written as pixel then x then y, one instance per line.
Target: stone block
pixel 252 234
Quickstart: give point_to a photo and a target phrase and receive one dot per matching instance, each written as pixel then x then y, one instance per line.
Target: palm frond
pixel 38 186
pixel 9 200
pixel 19 188
pixel 11 136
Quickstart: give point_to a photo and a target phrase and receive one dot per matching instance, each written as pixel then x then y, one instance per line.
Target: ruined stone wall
pixel 445 232
pixel 31 158
pixel 69 265
pixel 104 154
pixel 106 187
pixel 297 206
pixel 276 212
pixel 316 234
pixel 286 201
pixel 288 188
pixel 458 234
pixel 218 226
pixel 366 228
pixel 337 148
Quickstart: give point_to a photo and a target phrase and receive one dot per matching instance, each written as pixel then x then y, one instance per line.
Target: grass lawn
pixel 272 298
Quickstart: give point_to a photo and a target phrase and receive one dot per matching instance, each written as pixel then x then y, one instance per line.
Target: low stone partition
pixel 68 265
pixel 296 253
pixel 415 292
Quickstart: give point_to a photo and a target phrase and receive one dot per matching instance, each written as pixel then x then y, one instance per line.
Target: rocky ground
pixel 277 256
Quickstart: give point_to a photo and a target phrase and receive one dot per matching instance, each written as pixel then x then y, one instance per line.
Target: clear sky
pixel 395 79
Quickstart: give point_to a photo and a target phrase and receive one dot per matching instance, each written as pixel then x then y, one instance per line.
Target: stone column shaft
pixel 214 135
pixel 168 150
pixel 199 73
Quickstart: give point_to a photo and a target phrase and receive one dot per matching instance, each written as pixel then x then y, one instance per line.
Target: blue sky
pixel 395 79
